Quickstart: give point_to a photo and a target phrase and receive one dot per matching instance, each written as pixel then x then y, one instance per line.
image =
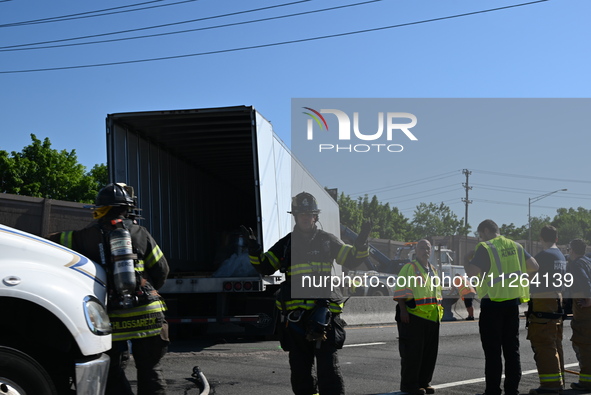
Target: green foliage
pixel 100 174
pixel 572 224
pixel 388 223
pixel 40 171
pixel 537 223
pixel 522 233
pixel 515 233
pixel 436 220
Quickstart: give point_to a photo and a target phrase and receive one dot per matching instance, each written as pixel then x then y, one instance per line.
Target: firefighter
pixel 135 308
pixel 579 270
pixel 545 314
pixel 311 324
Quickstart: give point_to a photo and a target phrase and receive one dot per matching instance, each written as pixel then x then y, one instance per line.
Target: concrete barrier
pixel 376 310
pixel 369 310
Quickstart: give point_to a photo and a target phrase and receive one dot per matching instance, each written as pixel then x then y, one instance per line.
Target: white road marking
pixel 364 344
pixel 481 379
pixel 478 380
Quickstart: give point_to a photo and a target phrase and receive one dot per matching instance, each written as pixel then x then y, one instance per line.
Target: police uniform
pixel 545 326
pixel 502 262
pixel 143 324
pixel 301 254
pixel 418 342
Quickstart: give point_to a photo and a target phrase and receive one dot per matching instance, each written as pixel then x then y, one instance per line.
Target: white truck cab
pixel 55 329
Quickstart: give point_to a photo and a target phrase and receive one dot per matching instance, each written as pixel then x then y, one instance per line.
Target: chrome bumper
pixel 91 375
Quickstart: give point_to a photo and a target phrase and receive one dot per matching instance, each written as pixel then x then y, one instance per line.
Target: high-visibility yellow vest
pixel 419 285
pixel 506 278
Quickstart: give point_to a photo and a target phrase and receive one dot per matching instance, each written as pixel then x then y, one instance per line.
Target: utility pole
pixel 467 187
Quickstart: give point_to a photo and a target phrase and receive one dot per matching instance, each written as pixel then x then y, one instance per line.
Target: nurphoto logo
pixel 390 126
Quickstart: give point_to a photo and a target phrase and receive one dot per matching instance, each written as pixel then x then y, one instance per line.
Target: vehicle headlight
pixel 96 316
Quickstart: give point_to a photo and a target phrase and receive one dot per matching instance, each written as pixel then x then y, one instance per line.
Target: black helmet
pixel 115 195
pixel 304 202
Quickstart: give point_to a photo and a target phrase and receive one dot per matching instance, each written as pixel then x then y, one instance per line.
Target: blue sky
pixel 540 50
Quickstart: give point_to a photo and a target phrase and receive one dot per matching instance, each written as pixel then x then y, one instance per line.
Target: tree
pixel 522 233
pixel 572 224
pixel 100 174
pixel 514 233
pixel 436 220
pixel 41 171
pixel 350 214
pixel 388 223
pixel 537 223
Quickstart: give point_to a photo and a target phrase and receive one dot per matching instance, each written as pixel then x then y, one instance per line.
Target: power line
pixel 448 187
pixel 10 48
pixel 408 184
pixel 83 15
pixel 531 177
pixel 507 189
pixel 444 202
pixel 424 196
pixel 272 44
pixel 511 203
pixel 524 191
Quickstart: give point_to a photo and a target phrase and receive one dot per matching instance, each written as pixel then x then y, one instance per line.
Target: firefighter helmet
pixel 304 202
pixel 115 195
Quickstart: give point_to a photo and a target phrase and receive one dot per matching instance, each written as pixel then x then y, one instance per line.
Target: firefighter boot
pixel 537 391
pixel 418 391
pixel 580 387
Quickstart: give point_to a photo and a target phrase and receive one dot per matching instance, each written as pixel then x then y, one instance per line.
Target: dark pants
pixel 302 354
pixel 499 334
pixel 147 353
pixel 418 344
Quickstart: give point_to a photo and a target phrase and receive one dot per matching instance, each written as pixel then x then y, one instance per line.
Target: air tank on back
pixel 123 267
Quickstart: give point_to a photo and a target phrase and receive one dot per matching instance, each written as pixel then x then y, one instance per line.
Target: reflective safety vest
pixel 506 278
pixel 312 270
pixel 463 287
pixel 313 260
pixel 418 284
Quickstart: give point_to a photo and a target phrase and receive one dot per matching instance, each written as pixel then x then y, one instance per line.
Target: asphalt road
pixel 369 361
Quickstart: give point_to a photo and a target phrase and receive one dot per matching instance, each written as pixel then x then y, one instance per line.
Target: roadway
pixel 369 361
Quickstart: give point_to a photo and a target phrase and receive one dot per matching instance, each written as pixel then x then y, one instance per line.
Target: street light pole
pixel 529 202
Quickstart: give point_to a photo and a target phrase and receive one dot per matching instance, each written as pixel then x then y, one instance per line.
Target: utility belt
pixel 314 323
pixel 549 315
pixel 318 325
pixel 141 297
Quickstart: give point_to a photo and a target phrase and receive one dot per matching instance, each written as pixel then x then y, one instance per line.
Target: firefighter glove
pixel 251 240
pixel 364 233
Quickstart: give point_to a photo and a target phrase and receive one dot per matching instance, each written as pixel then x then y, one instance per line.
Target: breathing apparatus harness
pixel 124 281
pixel 314 323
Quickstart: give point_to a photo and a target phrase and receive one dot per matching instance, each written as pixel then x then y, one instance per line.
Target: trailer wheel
pixel 22 375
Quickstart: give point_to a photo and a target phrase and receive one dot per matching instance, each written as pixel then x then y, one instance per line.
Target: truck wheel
pixel 380 291
pixel 22 375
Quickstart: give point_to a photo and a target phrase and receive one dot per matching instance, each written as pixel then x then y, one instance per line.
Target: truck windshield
pixel 446 259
